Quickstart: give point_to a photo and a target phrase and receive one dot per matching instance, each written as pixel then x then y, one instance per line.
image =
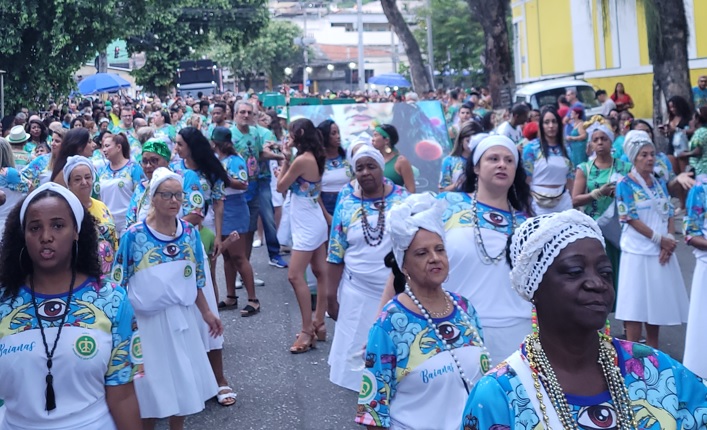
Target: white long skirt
pixel 357 313
pixel 695 339
pixel 178 377
pixel 650 292
pixel 212 343
pixel 501 342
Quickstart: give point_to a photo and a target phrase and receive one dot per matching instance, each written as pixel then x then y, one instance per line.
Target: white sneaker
pixel 239 283
pixel 257 243
pixel 259 282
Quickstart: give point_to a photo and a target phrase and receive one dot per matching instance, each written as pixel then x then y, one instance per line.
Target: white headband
pixel 75 161
pixel 405 219
pixel 634 141
pixel 597 126
pixel 475 140
pixel 539 240
pixel 71 199
pixel 160 175
pixel 495 140
pixel 368 151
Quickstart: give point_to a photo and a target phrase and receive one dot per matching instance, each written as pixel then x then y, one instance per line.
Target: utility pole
pixel 361 67
pixel 430 46
pixel 305 75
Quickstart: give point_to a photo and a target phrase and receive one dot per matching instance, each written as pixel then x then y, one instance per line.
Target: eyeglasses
pixel 166 196
pixel 151 161
pixel 245 112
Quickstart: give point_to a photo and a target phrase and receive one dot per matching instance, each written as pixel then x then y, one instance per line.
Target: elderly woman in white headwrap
pixel 568 374
pixel 595 187
pixel 357 274
pixel 79 175
pixel 650 287
pixel 425 351
pixel 161 264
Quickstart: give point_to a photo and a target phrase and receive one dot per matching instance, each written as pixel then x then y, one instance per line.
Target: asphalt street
pixel 279 390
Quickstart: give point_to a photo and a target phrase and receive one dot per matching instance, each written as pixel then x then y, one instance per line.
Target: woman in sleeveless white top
pixel 548 166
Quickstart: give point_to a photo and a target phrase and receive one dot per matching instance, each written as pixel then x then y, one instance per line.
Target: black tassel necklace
pixel 50 398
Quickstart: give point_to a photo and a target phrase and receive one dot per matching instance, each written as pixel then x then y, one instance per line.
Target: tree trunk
pixel 668 51
pixel 498 66
pixel 420 77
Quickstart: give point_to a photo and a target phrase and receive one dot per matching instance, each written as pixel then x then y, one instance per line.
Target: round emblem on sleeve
pixel 242 175
pixel 96 187
pixel 85 347
pixel 369 387
pixel 118 274
pixel 188 271
pixel 121 184
pixel 484 362
pixel 136 349
pixel 196 199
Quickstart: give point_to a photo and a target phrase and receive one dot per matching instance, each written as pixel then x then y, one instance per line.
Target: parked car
pixel 539 94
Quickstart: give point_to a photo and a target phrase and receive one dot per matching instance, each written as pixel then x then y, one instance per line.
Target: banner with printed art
pixel 421 127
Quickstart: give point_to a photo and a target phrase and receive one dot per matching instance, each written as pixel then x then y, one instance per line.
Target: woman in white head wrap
pixel 453 165
pixel 569 374
pixel 650 287
pixel 695 227
pixel 595 186
pixel 78 176
pixel 493 200
pixel 161 263
pixel 425 351
pixel 357 275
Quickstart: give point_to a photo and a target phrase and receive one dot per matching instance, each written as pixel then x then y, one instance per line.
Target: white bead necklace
pixel 484 359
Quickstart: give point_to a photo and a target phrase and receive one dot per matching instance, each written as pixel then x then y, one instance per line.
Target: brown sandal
pixel 320 331
pixel 305 341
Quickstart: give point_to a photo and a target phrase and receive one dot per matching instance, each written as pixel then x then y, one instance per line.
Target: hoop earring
pixel 22 251
pixel 388 149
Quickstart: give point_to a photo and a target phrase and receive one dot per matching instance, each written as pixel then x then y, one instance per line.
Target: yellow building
pixel 584 37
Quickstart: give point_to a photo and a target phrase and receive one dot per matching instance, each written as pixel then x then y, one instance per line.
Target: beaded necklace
pixel 485 358
pixel 486 258
pixel 373 235
pixel 542 373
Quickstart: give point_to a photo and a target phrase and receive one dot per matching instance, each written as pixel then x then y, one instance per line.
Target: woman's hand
pixel 664 257
pixel 668 244
pixel 214 323
pixel 608 190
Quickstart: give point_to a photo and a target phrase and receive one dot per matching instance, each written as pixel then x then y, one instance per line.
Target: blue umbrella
pixel 102 83
pixel 390 80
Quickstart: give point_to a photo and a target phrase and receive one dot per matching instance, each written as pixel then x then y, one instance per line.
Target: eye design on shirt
pixel 449 332
pixel 171 250
pixel 600 417
pixel 496 219
pixel 52 309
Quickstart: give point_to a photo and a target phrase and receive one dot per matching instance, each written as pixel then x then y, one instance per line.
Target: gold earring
pixel 388 150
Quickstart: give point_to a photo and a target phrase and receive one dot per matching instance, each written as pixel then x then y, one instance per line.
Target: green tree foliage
pixel 457 37
pixel 270 53
pixel 43 42
pixel 186 27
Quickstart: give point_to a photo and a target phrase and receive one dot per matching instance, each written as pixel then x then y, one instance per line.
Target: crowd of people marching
pixel 482 307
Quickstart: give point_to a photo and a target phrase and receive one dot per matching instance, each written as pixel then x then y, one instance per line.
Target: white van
pixel 539 94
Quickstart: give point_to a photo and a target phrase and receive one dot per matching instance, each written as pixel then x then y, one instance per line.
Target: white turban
pixel 75 161
pixel 71 199
pixel 368 151
pixel 634 141
pixel 597 126
pixel 475 140
pixel 495 140
pixel 356 145
pixel 539 240
pixel 405 219
pixel 160 175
